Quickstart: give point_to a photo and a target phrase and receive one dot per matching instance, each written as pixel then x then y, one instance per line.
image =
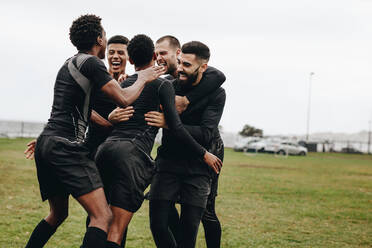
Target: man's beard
pixel 191 78
pixel 171 69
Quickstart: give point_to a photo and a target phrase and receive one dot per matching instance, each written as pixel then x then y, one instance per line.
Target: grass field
pixel 322 200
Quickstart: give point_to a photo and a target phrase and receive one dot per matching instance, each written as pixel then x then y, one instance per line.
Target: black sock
pixel 41 234
pixel 94 238
pixel 110 244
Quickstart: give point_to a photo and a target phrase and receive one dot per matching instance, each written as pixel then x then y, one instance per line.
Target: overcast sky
pixel 266 49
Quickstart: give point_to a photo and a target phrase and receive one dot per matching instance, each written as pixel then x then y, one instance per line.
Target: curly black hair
pixel 84 32
pixel 118 39
pixel 141 49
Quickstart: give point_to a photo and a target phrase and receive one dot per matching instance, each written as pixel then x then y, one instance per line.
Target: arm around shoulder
pixel 212 79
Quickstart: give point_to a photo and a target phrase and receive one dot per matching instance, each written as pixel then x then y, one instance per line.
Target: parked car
pixel 286 148
pixel 256 146
pixel 244 144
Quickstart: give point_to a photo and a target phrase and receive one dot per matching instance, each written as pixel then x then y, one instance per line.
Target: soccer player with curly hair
pixel 62 159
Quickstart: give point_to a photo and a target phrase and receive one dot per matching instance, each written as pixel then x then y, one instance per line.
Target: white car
pixel 286 148
pixel 256 146
pixel 243 144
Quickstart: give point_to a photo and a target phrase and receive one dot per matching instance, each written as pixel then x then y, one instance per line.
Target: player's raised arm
pixel 126 96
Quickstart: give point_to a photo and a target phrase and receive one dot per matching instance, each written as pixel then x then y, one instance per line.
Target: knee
pixel 209 216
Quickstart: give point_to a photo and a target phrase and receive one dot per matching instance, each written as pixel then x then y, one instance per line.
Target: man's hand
pixel 30 151
pixel 156 119
pixel 122 77
pixel 213 162
pixel 121 114
pixel 151 73
pixel 181 103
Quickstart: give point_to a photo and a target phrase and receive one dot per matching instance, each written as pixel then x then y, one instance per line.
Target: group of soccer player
pixel 97 143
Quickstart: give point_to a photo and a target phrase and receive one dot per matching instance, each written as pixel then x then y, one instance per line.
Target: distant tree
pixel 251 131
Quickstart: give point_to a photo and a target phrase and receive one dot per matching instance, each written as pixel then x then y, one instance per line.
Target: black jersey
pixel 201 120
pixel 103 105
pixel 69 98
pixel 160 91
pixel 212 79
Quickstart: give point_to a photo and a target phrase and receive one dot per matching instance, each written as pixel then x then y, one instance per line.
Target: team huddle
pixel 97 143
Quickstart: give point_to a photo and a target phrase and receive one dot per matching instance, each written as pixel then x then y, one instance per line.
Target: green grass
pixel 322 200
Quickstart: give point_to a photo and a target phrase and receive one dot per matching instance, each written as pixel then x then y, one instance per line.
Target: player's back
pixel 136 127
pixel 71 103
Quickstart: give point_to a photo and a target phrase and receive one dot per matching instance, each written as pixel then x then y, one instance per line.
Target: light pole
pixel 369 137
pixel 308 107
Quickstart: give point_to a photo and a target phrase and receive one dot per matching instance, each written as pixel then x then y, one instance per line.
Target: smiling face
pixel 166 55
pixel 117 58
pixel 190 69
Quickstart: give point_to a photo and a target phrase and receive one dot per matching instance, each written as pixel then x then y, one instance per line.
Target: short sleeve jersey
pixel 159 91
pixel 69 98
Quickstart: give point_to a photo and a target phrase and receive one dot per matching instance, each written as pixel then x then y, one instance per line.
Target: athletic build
pixel 180 172
pixel 103 106
pixel 167 48
pixel 62 162
pixel 125 156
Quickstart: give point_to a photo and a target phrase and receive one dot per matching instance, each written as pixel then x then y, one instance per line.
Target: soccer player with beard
pixel 125 155
pixel 62 162
pixel 180 172
pixel 167 48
